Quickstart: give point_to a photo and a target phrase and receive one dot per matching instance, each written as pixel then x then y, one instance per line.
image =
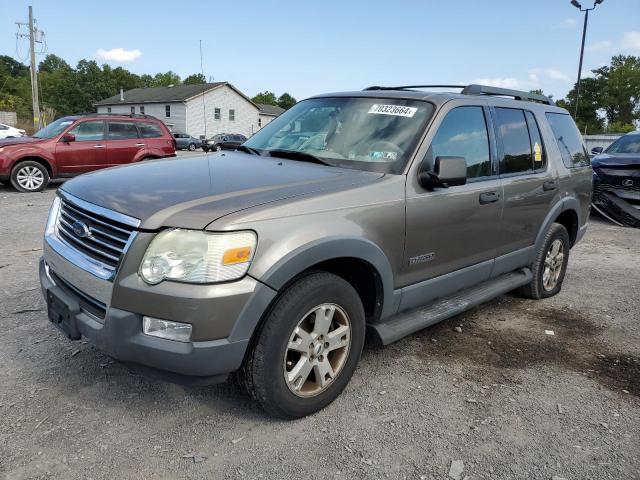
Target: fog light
pixel 180 332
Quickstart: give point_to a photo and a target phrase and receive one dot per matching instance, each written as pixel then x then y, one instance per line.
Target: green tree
pixel 165 79
pixel 53 63
pixel 620 96
pixel 265 98
pixel 286 101
pixel 589 120
pixel 194 79
pixel 619 127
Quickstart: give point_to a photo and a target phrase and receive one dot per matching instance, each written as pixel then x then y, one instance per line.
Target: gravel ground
pixel 502 397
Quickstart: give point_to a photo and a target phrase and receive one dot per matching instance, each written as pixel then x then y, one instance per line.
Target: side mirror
pixel 447 172
pixel 69 137
pixel 596 150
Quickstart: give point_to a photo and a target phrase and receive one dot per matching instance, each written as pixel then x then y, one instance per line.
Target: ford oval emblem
pixel 627 183
pixel 81 229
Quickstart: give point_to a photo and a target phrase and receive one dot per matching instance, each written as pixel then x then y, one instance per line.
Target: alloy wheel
pixel 30 178
pixel 317 350
pixel 553 263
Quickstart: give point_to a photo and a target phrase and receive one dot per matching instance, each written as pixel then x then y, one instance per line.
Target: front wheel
pixel 550 265
pixel 29 176
pixel 308 347
pixel 218 148
pixel 192 147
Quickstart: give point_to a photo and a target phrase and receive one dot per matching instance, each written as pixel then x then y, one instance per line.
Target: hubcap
pixel 553 263
pixel 30 178
pixel 317 350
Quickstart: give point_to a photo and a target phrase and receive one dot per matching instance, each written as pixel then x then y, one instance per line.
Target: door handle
pixel 140 145
pixel 488 197
pixel 549 185
pixel 98 146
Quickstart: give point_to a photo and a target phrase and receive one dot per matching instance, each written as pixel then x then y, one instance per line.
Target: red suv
pixel 73 145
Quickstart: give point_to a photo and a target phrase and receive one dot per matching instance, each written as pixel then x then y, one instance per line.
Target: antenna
pixel 204 87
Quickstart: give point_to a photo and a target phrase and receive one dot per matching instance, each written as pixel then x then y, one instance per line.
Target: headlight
pixel 194 256
pixel 53 217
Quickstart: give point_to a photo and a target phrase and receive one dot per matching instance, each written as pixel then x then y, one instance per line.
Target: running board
pixel 411 321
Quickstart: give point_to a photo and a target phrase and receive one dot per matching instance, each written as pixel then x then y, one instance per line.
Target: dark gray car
pixel 382 211
pixel 184 141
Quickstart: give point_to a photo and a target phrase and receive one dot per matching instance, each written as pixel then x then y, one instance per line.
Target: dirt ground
pixel 502 397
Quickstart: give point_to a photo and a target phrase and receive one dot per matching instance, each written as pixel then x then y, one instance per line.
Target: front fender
pixel 308 255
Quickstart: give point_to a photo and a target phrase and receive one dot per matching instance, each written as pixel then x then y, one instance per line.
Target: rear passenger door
pixel 529 184
pixel 123 142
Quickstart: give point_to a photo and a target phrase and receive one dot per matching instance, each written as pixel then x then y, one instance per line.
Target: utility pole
pixel 34 37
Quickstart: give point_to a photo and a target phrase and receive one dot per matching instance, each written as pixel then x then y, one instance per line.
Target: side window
pixel 232 115
pixel 463 133
pixel 122 130
pixel 3 127
pixel 569 140
pixel 167 111
pixel 88 131
pixel 216 113
pixel 516 144
pixel 537 147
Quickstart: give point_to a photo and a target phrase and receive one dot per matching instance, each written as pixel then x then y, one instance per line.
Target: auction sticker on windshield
pixel 397 110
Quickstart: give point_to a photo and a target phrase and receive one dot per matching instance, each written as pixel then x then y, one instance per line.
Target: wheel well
pixel 569 218
pixel 362 276
pixel 39 160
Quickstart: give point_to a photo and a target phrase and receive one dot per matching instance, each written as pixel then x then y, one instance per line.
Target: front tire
pixel 29 176
pixel 307 348
pixel 550 265
pixel 192 147
pixel 218 148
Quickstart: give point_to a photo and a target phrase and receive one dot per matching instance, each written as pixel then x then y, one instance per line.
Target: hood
pixel 19 140
pixel 195 191
pixel 616 160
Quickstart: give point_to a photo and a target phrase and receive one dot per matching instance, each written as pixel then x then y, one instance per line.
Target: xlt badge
pixel 425 257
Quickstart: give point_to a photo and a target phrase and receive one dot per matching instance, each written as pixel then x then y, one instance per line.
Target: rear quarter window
pixel 150 130
pixel 574 154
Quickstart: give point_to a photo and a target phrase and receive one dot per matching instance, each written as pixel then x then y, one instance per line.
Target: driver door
pixel 87 152
pixel 452 233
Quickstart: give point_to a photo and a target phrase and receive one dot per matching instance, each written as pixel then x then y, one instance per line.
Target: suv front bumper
pixel 119 334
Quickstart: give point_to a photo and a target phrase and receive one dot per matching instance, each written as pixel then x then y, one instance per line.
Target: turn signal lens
pixel 236 255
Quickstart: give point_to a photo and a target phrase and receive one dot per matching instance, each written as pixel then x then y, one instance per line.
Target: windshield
pixel 54 128
pixel 375 134
pixel 626 144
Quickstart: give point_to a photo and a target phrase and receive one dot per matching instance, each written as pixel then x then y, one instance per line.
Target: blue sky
pixel 306 47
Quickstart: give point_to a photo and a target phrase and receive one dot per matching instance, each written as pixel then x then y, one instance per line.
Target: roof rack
pixel 113 114
pixel 475 89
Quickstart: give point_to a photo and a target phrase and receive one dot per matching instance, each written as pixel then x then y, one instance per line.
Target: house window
pixel 260 123
pixel 133 110
pixel 232 115
pixel 142 109
pixel 108 109
pixel 167 111
pixel 216 113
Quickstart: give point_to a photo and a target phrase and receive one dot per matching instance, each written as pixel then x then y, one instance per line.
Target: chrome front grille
pixel 98 234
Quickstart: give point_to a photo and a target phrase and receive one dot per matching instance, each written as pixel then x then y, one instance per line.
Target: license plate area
pixel 63 314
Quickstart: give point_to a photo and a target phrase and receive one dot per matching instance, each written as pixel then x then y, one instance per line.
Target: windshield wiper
pixel 249 150
pixel 296 155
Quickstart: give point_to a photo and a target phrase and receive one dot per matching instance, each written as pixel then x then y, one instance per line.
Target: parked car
pixel 224 141
pixel 7 131
pixel 184 141
pixel 78 144
pixel 385 210
pixel 616 180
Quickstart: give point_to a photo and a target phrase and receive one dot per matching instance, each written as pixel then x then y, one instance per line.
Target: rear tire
pixel 29 176
pixel 549 266
pixel 192 147
pixel 307 348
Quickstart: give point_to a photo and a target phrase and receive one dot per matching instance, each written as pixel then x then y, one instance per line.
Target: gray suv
pixel 381 211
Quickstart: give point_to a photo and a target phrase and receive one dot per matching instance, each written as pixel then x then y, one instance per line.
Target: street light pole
pixel 586 11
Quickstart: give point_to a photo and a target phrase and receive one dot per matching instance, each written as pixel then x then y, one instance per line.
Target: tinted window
pixel 626 144
pixel 537 147
pixel 569 140
pixel 516 143
pixel 122 130
pixel 88 131
pixel 463 133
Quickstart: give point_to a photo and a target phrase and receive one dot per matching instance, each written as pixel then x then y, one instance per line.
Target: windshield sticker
pixel 396 110
pixel 383 156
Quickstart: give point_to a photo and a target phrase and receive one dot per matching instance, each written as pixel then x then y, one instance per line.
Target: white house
pixel 199 110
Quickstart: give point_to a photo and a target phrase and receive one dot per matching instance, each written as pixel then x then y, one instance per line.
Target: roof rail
pixel 517 94
pixel 113 114
pixel 475 89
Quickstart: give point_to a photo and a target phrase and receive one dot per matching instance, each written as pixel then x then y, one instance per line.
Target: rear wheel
pixel 550 265
pixel 192 147
pixel 29 176
pixel 308 347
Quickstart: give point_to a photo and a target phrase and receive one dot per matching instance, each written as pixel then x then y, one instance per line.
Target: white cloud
pixel 601 46
pixel 119 55
pixel 569 23
pixel 631 41
pixel 537 74
pixel 498 82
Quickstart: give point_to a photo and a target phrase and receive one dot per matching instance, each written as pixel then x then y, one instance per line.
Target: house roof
pixel 272 110
pixel 177 93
